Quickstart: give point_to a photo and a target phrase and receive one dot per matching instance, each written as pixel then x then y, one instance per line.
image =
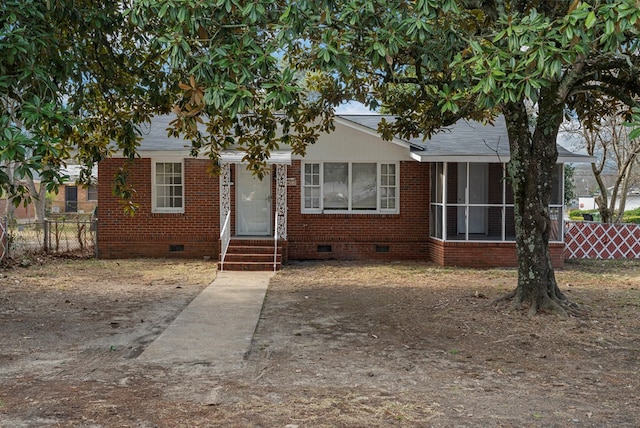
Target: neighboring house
pixel 73 198
pixel 352 196
pixel 70 199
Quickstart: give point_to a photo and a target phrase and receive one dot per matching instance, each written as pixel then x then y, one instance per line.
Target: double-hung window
pixel 168 187
pixel 355 187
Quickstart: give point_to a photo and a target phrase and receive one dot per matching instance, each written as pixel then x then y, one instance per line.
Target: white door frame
pixel 253 203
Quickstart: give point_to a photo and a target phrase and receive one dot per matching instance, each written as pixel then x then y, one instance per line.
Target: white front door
pixel 253 203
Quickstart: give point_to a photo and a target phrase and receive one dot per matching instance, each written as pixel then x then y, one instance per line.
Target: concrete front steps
pixel 251 255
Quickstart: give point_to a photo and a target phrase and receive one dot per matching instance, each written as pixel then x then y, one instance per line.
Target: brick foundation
pixel 485 254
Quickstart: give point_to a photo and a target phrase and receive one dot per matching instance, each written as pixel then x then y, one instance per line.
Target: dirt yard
pixel 338 345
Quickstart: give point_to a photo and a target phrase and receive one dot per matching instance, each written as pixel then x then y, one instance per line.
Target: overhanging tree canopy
pixel 250 69
pixel 434 62
pixel 76 77
pixel 429 62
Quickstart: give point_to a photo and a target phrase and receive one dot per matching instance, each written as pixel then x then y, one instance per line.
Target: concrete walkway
pixel 216 328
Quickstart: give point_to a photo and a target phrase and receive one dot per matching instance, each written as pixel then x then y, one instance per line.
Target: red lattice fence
pixel 589 240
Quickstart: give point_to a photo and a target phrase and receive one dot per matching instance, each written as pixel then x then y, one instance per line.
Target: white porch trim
pixel 280 159
pixel 238 156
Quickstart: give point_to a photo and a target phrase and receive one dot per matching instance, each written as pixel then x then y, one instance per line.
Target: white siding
pixel 349 144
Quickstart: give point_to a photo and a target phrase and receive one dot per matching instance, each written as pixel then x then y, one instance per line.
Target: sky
pixel 353 107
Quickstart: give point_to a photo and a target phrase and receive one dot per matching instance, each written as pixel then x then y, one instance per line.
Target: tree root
pixel 554 305
pixel 499 299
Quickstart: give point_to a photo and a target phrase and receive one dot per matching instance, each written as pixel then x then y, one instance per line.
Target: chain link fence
pixel 57 236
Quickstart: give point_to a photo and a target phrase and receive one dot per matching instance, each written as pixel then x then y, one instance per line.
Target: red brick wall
pixel 485 254
pixel 357 236
pixel 150 234
pixel 349 236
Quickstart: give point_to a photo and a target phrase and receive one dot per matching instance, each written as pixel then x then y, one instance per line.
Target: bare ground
pixel 338 345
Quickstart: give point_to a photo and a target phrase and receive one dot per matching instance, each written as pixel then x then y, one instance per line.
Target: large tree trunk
pixel 533 158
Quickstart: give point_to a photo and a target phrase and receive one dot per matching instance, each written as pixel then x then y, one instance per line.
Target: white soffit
pixel 237 156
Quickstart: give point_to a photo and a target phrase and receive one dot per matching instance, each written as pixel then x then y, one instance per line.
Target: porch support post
pixel 225 192
pixel 281 200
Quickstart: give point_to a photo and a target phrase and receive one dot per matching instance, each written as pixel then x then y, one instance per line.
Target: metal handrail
pixel 225 239
pixel 275 245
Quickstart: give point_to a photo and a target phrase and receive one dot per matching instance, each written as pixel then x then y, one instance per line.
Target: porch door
pixel 253 203
pixel 473 191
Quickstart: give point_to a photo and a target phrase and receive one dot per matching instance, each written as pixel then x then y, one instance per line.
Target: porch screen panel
pixel 555 217
pixel 435 218
pixel 510 224
pixel 437 178
pixel 335 186
pixel 556 205
pixel 455 223
pixel 364 186
pixel 495 221
pixel 557 185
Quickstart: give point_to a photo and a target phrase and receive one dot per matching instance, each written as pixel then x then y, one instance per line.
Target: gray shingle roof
pixel 155 136
pixel 464 141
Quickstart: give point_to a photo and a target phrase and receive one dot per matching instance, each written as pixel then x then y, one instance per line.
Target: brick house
pixel 72 198
pixel 352 196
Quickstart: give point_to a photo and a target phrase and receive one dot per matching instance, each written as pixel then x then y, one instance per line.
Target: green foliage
pixel 75 76
pixel 631 219
pixel 631 216
pixel 579 214
pixel 228 56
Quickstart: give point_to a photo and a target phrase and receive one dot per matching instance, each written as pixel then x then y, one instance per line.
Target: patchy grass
pixel 339 344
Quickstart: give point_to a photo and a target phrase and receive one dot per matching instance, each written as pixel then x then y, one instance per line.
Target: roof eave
pixel 575 158
pixel 421 157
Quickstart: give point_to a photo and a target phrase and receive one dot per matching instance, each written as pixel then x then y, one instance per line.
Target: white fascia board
pixel 229 156
pixel 370 131
pixel 460 158
pixel 493 159
pixel 275 157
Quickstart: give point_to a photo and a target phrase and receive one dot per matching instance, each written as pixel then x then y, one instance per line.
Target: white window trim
pixel 378 209
pixel 154 201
